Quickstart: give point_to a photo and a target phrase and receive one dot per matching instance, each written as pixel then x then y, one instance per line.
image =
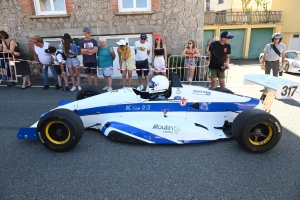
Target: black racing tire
pixel 256 131
pixel 87 92
pixel 224 90
pixel 60 130
pixel 286 67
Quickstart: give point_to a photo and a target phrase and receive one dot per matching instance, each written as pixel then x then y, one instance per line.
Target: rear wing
pixel 283 88
pixel 275 87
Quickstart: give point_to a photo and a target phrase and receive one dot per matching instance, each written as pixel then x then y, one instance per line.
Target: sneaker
pixel 79 88
pixel 46 87
pixel 141 87
pixel 147 89
pixel 190 79
pixel 109 89
pixel 66 89
pixel 105 88
pixel 60 88
pixel 57 87
pixel 4 77
pixel 73 89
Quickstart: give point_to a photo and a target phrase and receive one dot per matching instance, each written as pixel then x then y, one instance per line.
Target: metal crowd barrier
pixel 12 67
pixel 176 63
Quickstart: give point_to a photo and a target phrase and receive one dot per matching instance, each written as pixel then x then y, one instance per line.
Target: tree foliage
pixel 245 4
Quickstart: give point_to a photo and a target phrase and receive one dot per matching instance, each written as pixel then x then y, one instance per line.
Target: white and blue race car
pixel 168 113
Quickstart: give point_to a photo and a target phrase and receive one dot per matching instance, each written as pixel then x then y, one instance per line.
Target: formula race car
pixel 167 113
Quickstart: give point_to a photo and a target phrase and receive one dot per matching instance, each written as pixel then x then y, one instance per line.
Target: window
pixel 207 5
pixel 221 1
pixel 134 5
pixel 50 7
pixel 292 55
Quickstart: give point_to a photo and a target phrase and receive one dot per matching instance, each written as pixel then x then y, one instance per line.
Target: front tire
pixel 256 131
pixel 60 130
pixel 286 67
pixel 88 92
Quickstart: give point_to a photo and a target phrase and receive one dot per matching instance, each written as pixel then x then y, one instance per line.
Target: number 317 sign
pixel 288 92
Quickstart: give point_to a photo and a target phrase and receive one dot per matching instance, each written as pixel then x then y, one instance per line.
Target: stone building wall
pixel 177 20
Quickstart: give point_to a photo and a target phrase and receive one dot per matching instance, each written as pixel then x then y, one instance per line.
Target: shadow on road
pixel 291 102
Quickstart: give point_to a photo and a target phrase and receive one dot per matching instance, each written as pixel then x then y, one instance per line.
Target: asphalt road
pixel 98 168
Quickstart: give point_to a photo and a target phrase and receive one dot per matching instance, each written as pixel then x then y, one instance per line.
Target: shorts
pixel 216 73
pixel 107 71
pixel 159 64
pixel 191 63
pixel 72 62
pixel 142 64
pixel 128 64
pixel 58 69
pixel 2 64
pixel 87 69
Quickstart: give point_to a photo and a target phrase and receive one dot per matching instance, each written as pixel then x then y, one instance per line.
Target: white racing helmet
pixel 158 83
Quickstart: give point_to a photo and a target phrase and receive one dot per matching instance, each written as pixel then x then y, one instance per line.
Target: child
pixel 59 66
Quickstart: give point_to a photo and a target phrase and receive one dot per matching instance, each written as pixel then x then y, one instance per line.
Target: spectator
pixel 272 54
pixel 219 51
pixel 22 68
pixel 71 51
pixel 208 44
pixel 126 62
pixel 191 53
pixel 159 56
pixel 59 66
pixel 142 50
pixel 3 65
pixel 44 60
pixel 207 53
pixel 106 56
pixel 89 49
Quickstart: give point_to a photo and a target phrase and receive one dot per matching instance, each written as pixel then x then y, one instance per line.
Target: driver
pixel 158 86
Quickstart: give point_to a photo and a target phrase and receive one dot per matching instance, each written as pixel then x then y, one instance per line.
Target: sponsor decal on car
pixel 183 102
pixel 200 92
pixel 167 128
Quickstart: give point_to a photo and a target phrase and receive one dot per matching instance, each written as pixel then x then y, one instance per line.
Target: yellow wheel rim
pixel 261 134
pixel 57 132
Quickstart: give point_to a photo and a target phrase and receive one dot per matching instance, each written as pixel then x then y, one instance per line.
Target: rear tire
pixel 60 130
pixel 256 131
pixel 88 92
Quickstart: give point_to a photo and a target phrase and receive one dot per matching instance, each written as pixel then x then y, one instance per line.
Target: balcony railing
pixel 250 17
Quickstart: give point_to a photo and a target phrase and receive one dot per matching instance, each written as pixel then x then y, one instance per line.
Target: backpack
pixel 62 54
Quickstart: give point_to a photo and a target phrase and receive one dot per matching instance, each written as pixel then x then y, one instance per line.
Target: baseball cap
pixel 143 35
pixel 50 50
pixel 121 42
pixel 86 30
pixel 66 36
pixel 158 37
pixel 226 35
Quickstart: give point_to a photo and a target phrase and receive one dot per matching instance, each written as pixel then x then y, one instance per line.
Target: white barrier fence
pixel 177 63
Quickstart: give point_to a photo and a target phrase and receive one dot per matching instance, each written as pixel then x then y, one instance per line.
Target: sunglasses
pixel 143 39
pixel 190 43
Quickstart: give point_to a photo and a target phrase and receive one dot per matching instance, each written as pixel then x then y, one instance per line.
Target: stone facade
pixel 177 20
